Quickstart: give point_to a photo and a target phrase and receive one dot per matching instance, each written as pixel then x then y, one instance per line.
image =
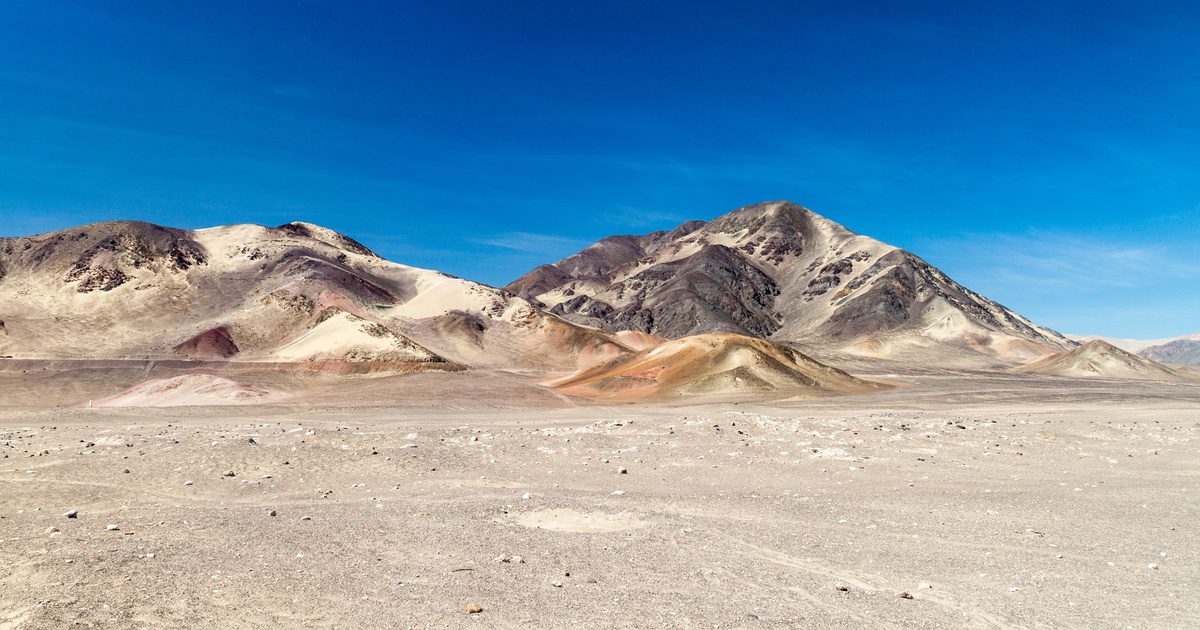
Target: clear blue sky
pixel 1047 154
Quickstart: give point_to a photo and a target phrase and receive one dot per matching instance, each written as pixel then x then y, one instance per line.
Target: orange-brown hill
pixel 713 364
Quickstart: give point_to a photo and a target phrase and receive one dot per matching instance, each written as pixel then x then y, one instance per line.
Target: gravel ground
pixel 966 501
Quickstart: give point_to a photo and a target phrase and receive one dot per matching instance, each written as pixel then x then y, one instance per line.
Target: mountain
pixel 711 364
pixel 781 271
pixel 1100 359
pixel 1181 351
pixel 296 293
pixel 1133 345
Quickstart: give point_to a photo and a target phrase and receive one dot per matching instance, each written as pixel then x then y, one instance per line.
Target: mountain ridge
pixel 129 289
pixel 777 270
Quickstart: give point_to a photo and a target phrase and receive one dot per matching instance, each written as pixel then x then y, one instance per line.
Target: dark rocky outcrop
pixel 215 343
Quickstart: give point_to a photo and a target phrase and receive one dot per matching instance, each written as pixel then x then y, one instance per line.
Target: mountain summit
pixel 778 270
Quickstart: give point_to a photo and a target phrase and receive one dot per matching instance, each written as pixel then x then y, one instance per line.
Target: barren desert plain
pixel 958 499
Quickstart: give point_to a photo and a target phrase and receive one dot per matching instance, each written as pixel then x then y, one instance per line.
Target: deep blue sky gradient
pixel 1046 154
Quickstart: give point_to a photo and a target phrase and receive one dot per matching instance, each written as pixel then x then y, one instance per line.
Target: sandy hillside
pixel 713 364
pixel 1100 359
pixel 130 290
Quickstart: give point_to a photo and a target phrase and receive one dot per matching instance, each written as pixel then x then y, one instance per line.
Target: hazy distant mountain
pixel 778 270
pixel 1182 351
pixel 296 293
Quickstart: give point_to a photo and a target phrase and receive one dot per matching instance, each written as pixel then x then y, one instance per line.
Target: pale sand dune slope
pixel 340 335
pixel 188 390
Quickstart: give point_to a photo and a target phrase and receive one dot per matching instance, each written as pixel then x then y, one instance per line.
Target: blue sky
pixel 1046 154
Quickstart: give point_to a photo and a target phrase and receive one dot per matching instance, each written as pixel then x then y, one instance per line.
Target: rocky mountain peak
pixel 777 269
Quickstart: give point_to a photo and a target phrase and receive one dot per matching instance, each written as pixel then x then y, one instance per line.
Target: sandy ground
pixel 991 501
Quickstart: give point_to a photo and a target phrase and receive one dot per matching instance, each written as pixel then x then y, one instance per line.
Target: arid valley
pixel 761 421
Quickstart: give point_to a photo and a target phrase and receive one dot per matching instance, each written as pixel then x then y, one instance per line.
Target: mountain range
pixel 301 294
pixel 296 293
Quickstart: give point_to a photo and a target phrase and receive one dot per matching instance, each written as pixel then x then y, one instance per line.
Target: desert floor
pixel 960 501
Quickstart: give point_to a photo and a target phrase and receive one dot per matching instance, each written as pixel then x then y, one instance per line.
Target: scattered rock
pixel 841 588
pixel 51 530
pixel 623 471
pixel 473 609
pixel 187 483
pixel 556 584
pixel 905 595
pixel 272 513
pixel 72 514
pixel 230 474
pixel 112 528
